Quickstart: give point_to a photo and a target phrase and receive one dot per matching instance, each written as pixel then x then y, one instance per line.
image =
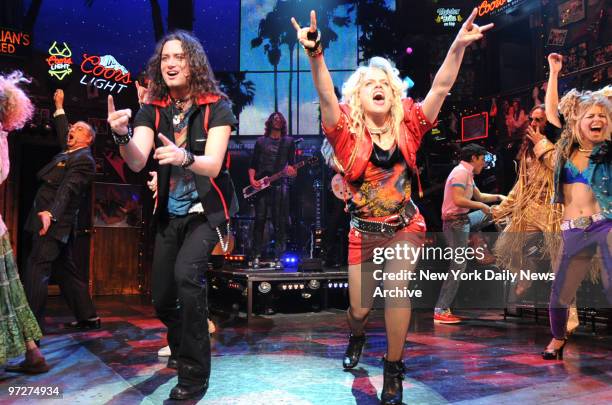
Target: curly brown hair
pixel 201 79
pixel 270 122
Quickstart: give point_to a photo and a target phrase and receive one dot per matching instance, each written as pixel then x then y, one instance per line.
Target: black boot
pixel 192 382
pixel 172 363
pixel 392 383
pixel 353 351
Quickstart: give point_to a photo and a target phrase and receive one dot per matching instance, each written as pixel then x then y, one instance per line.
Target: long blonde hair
pixel 574 105
pixel 350 96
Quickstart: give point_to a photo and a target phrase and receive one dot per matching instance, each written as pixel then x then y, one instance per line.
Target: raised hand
pixel 471 32
pixel 118 120
pixel 58 99
pixel 534 135
pixel 169 154
pixel 303 37
pixel 555 62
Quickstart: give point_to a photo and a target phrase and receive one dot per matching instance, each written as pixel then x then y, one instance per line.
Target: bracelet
pixel 317 49
pixel 123 139
pixel 188 158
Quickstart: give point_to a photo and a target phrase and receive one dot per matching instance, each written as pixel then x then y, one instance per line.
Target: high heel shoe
pixel 555 354
pixel 353 351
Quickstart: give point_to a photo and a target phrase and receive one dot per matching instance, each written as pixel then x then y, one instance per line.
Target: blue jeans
pixel 456 232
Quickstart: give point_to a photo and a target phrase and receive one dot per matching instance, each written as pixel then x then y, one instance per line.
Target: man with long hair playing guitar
pixel 273 152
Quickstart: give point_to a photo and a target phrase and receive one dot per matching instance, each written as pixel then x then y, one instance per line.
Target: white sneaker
pixel 164 352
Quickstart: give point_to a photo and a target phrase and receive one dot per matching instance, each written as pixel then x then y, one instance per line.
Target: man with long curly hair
pixel 187 120
pixel 273 152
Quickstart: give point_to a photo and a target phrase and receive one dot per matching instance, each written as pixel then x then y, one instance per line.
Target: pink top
pixel 4 168
pixel 461 176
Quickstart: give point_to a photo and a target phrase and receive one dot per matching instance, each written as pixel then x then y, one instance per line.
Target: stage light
pixel 284 287
pixel 409 82
pixel 234 285
pixel 306 295
pixel 236 258
pixel 490 160
pixel 409 51
pixel 314 284
pixel 290 259
pixel 264 287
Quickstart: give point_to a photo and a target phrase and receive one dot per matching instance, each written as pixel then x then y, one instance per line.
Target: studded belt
pixel 581 222
pixel 389 225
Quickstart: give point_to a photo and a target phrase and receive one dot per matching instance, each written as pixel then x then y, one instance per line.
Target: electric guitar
pixel 339 188
pixel 249 191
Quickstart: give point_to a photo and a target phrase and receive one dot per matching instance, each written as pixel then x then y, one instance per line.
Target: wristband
pixel 123 139
pixel 188 159
pixel 317 49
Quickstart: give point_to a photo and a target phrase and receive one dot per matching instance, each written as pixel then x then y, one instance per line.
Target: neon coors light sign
pixel 104 73
pixel 59 61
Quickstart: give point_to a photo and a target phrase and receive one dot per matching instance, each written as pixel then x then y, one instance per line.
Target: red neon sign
pixel 475 128
pixel 487 7
pixel 12 41
pixel 91 64
pixel 106 73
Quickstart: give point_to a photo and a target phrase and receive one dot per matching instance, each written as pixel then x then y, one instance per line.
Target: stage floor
pixel 296 359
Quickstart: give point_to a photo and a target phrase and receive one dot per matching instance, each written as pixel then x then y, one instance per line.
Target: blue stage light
pixel 290 259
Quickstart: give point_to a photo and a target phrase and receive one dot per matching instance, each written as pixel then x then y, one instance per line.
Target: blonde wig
pixel 15 106
pixel 350 96
pixel 574 106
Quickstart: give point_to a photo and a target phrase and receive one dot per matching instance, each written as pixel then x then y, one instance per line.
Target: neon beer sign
pixel 487 7
pixel 448 17
pixel 59 61
pixel 105 73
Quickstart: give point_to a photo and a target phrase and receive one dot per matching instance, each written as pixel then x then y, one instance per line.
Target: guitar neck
pixel 278 175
